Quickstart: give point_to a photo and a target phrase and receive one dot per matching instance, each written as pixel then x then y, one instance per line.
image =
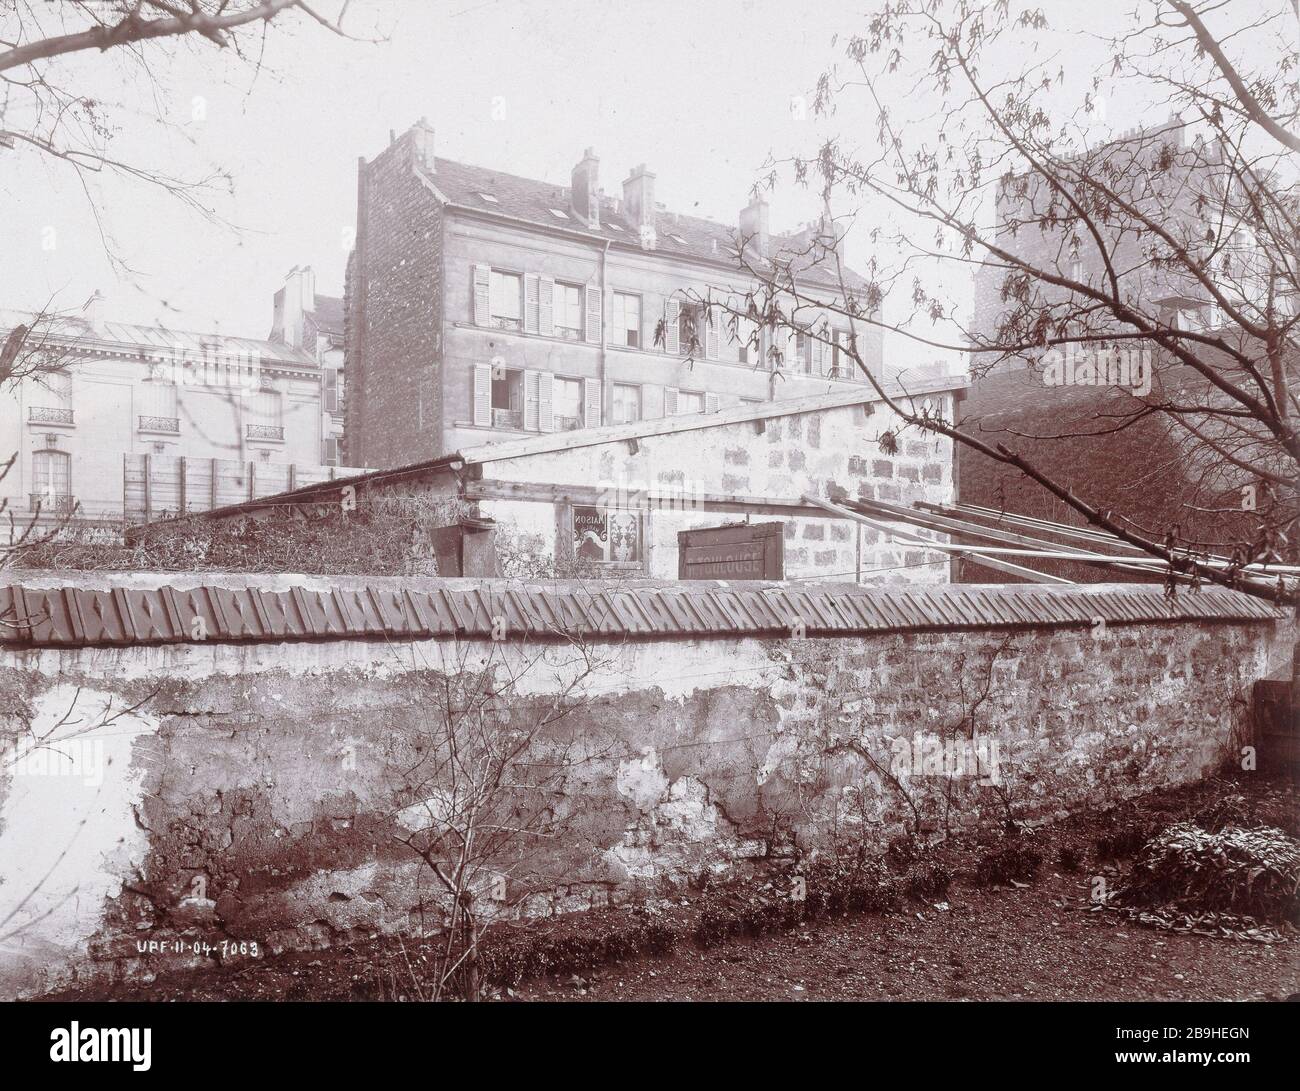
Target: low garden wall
pixel 251 759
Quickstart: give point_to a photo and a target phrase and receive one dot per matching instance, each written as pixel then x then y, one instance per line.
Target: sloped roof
pixel 532 200
pixel 129 339
pixel 328 314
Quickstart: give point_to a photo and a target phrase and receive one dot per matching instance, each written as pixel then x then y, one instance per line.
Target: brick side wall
pixel 394 315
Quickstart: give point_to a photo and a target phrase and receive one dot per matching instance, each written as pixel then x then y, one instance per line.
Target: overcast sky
pixel 700 91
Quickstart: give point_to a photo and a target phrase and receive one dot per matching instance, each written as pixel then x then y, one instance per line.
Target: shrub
pixel 928 881
pixel 1123 841
pixel 1229 810
pixel 715 926
pixel 1015 862
pixel 1070 857
pixel 1254 872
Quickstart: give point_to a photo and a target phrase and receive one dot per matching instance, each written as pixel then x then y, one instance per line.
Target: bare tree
pixel 487 786
pixel 46 109
pixel 1178 239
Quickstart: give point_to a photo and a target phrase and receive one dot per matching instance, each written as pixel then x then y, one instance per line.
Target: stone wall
pixel 257 791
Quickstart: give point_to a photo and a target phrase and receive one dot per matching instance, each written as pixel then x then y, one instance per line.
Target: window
pixel 568 312
pixel 690 328
pixel 333 391
pixel 52 398
pixel 51 480
pixel 607 536
pixel 627 320
pixel 559 214
pixel 507 398
pixel 842 363
pixel 802 353
pixel 748 351
pixel 330 451
pixel 158 412
pixel 626 403
pixel 689 401
pixel 506 300
pixel 266 416
pixel 566 398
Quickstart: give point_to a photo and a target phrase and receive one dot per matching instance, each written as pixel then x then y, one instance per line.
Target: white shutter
pixel 711 338
pixel 593 315
pixel 670 401
pixel 546 307
pixel 591 396
pixel 672 313
pixel 531 400
pixel 710 403
pixel 482 395
pixel 819 362
pixel 545 412
pixel 531 295
pixel 482 301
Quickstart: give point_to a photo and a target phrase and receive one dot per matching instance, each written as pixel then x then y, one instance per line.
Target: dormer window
pixel 558 214
pixel 488 198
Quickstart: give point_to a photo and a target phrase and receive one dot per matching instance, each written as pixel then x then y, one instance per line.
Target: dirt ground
pixel 1041 941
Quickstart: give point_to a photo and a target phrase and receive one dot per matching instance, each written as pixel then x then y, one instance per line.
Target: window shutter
pixel 591 399
pixel 819 361
pixel 531 404
pixel 545 411
pixel 672 315
pixel 670 401
pixel 482 395
pixel 711 332
pixel 531 299
pixel 482 302
pixel 710 403
pixel 546 307
pixel 593 314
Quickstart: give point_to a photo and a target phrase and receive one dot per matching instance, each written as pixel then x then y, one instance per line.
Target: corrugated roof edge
pixel 52 610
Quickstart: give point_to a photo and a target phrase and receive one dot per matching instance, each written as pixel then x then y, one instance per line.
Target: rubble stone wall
pixel 255 792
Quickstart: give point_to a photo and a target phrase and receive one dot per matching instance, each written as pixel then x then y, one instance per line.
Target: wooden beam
pixel 641 499
pixel 942 547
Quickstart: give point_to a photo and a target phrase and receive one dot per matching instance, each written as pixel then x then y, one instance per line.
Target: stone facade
pixel 432 367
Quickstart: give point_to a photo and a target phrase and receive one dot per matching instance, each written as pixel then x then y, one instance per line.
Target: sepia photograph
pixel 601 502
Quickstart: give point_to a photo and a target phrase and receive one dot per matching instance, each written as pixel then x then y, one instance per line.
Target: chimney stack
pixel 585 188
pixel 753 227
pixel 422 139
pixel 90 311
pixel 639 199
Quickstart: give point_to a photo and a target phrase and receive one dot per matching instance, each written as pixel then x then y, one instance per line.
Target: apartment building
pixel 483 307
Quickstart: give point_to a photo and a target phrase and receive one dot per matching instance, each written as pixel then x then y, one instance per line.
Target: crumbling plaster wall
pixel 252 793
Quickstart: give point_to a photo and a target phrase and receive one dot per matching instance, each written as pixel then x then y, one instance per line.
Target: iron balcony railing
pixel 160 424
pixel 265 431
pixel 44 414
pixel 56 503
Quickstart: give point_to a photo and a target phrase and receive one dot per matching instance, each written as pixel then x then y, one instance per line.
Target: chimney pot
pixel 422 135
pixel 639 201
pixel 754 234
